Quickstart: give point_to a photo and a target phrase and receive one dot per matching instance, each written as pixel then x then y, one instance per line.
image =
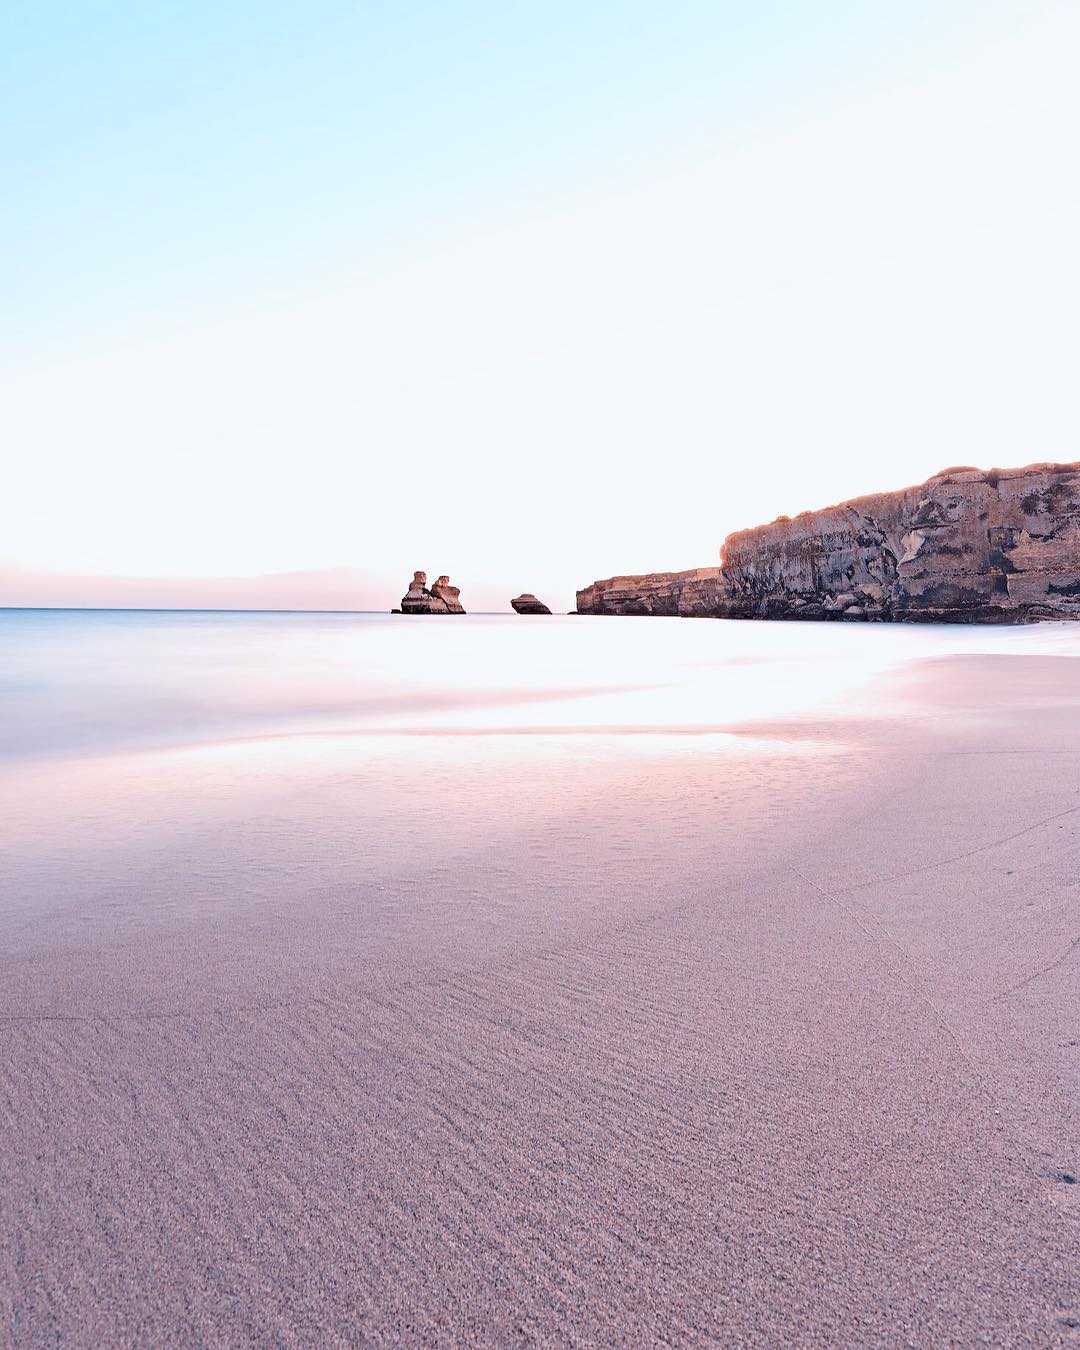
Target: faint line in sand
pixel 1043 970
pixel 958 857
pixel 920 994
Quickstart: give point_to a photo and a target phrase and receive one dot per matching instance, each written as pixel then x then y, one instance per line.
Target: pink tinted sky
pixel 339 588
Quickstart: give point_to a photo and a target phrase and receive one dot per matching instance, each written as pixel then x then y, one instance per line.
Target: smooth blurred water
pixel 84 681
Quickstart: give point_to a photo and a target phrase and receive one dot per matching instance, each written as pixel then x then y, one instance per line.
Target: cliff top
pixel 957 474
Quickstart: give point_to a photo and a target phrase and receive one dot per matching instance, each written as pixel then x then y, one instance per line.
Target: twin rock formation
pixel 966 546
pixel 442 598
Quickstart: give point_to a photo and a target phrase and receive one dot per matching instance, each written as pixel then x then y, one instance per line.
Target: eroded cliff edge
pixel 967 546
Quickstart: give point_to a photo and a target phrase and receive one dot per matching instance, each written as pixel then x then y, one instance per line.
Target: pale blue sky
pixel 184 153
pixel 261 255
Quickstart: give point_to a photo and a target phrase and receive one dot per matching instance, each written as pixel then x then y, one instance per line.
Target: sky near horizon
pixel 300 298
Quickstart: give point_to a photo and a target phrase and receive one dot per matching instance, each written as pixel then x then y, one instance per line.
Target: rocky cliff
pixel 967 546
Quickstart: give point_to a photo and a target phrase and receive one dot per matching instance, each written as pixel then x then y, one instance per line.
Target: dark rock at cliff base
pixel 442 598
pixel 526 603
pixel 967 546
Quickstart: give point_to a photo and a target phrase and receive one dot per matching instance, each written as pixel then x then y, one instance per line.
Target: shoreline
pixel 765 1046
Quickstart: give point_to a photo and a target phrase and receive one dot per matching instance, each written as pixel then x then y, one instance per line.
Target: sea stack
pixel 527 603
pixel 449 595
pixel 442 598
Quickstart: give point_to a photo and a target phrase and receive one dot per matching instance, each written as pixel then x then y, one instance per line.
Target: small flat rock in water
pixel 527 603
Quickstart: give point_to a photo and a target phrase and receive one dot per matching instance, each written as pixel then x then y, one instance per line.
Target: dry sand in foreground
pixel 551 1039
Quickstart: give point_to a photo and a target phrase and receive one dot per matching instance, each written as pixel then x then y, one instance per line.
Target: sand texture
pixel 554 1040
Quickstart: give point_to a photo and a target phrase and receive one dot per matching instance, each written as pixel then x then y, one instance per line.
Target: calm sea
pixel 77 682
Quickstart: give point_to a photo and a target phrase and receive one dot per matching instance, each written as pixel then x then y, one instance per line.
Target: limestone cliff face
pixel 967 546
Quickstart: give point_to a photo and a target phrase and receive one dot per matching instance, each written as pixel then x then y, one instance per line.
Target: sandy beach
pixel 761 1038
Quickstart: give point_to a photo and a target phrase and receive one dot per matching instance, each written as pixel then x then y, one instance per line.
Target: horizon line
pixel 202 609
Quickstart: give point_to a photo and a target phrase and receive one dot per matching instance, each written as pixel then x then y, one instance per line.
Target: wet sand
pixel 771 1038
